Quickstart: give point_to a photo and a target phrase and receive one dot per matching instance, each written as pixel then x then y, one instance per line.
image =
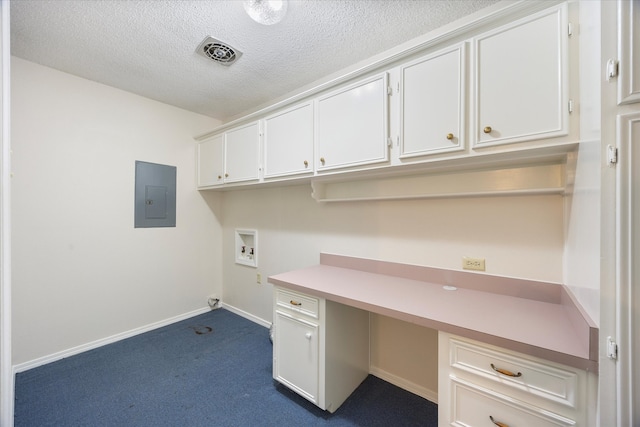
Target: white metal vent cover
pixel 218 51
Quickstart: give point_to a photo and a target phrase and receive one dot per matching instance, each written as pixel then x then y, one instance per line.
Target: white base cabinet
pixel 320 348
pixel 484 385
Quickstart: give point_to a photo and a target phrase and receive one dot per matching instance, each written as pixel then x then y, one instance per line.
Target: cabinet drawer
pixel 515 371
pixel 297 302
pixel 475 406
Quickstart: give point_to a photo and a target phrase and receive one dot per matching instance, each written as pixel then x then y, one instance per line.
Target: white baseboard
pixel 104 341
pixel 246 315
pixel 404 384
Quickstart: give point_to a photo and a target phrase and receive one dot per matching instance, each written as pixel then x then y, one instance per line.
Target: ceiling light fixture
pixel 265 12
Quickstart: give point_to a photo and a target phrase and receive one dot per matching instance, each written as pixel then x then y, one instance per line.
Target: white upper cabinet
pixel 493 91
pixel 288 142
pixel 629 45
pixel 520 80
pixel 352 125
pixel 432 103
pixel 211 161
pixel 242 153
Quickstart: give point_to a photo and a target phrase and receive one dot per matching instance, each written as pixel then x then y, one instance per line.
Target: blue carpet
pixel 210 370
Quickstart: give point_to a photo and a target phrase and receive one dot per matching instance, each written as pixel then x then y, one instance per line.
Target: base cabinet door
pixel 296 355
pixel 321 348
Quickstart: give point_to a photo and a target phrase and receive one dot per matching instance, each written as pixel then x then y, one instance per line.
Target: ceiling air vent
pixel 218 51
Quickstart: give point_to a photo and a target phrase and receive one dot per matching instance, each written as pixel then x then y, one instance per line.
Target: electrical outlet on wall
pixel 473 263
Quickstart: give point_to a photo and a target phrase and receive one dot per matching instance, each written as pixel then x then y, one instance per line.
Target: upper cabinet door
pixel 242 153
pixel 211 161
pixel 432 103
pixel 521 80
pixel 352 125
pixel 629 46
pixel 288 142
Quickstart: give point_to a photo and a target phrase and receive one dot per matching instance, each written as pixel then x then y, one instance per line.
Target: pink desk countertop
pixel 536 318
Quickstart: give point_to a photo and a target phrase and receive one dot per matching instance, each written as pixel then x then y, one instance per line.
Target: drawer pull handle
pixel 498 423
pixel 292 302
pixel 505 372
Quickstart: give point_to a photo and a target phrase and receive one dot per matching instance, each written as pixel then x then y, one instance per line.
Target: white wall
pixel 6 376
pixel 582 212
pixel 81 272
pixel 518 236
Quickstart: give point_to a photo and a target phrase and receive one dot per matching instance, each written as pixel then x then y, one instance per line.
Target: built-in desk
pixel 535 318
pixel 510 351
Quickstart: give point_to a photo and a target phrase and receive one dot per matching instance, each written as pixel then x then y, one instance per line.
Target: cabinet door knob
pixel 498 423
pixel 306 164
pixel 219 176
pixel 487 129
pixel 449 136
pixel 226 175
pixel 322 160
pixel 308 335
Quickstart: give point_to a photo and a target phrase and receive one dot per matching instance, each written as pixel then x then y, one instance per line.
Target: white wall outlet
pixel 473 263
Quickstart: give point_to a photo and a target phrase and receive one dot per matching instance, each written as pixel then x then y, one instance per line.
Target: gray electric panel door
pixel 155 195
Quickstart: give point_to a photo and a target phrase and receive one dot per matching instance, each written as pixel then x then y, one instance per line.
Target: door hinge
pixel 612 69
pixel 612 155
pixel 570 29
pixel 612 349
pixel 570 106
pixel 389 90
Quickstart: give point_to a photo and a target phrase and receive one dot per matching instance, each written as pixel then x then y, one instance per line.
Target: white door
pixel 352 125
pixel 432 104
pixel 211 162
pixel 242 149
pixel 288 142
pixel 296 355
pixel 520 80
pixel 628 268
pixel 629 52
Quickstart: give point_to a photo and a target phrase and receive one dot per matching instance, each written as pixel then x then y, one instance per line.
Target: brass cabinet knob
pixel 322 160
pixel 306 164
pixel 226 175
pixel 219 176
pixel 487 129
pixel 449 136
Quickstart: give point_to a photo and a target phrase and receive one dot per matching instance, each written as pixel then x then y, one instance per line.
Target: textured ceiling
pixel 148 47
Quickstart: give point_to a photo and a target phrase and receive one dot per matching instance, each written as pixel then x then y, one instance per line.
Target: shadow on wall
pixel 213 199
